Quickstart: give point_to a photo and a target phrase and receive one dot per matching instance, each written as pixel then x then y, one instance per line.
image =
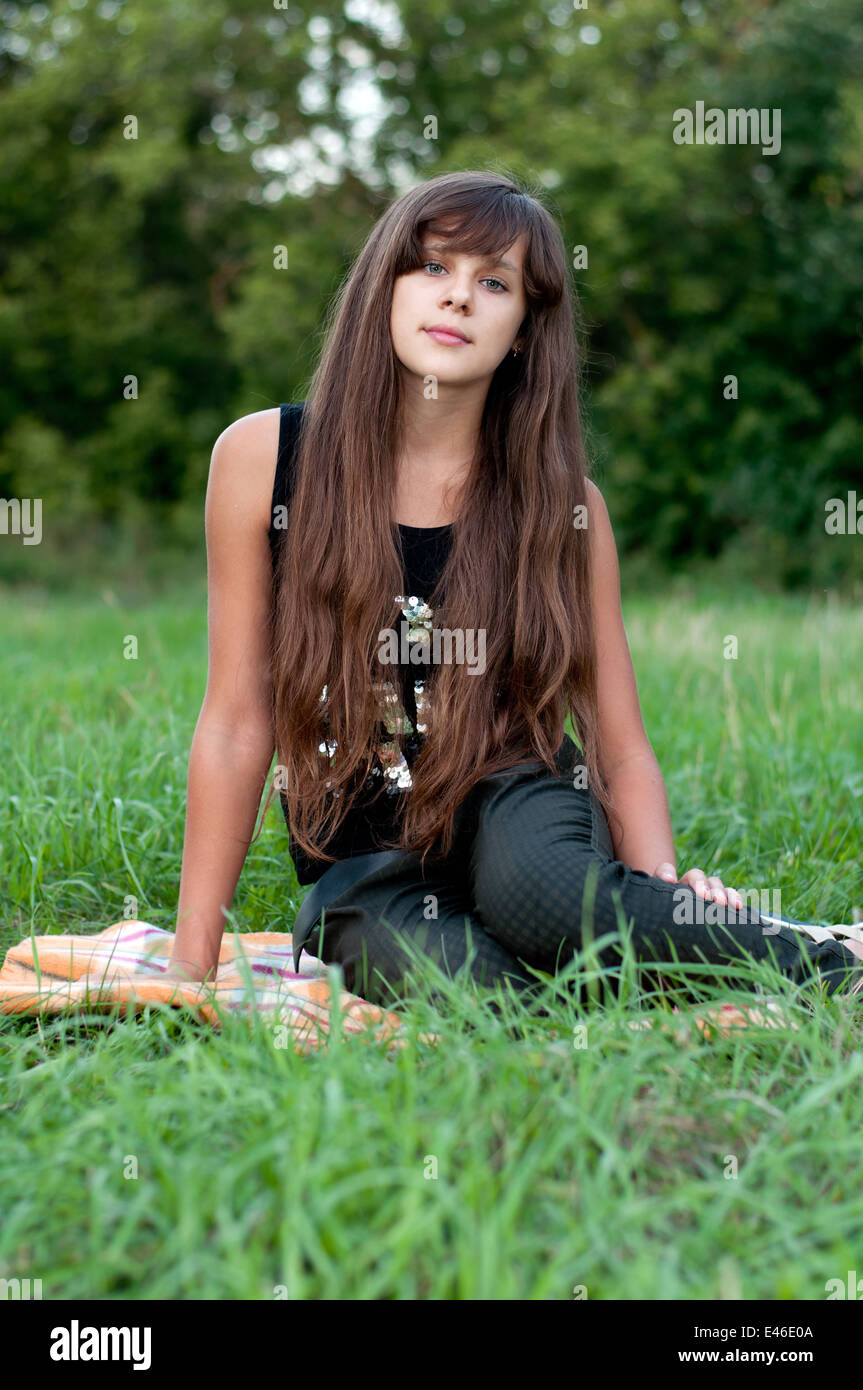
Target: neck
pixel 438 437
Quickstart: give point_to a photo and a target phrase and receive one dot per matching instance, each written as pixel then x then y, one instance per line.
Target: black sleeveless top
pixel 425 550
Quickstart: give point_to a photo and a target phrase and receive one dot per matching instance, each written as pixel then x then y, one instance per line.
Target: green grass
pixel 261 1172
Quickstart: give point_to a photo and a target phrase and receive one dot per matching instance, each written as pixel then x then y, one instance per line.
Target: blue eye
pixel 492 278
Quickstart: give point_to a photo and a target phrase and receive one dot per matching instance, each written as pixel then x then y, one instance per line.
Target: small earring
pixel 515 351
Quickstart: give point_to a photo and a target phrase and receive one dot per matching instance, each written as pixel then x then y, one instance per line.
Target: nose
pixel 458 294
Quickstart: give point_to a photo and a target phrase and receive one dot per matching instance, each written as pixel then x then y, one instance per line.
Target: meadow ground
pixel 522 1157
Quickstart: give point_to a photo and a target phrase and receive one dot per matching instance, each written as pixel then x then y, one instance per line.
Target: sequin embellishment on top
pixel 388 757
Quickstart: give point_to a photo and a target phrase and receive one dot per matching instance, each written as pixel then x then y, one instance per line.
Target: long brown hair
pixel 518 565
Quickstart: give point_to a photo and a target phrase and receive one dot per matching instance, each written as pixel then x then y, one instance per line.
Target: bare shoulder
pixel 595 499
pixel 602 544
pixel 243 467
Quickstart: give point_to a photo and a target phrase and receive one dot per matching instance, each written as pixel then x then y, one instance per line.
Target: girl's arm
pixel 233 743
pixel 627 759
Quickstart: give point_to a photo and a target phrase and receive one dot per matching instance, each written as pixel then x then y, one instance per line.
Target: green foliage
pixel 153 257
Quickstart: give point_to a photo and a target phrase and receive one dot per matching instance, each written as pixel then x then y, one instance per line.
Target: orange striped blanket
pixel 124 964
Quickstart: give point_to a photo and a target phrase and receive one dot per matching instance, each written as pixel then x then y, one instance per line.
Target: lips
pixel 443 334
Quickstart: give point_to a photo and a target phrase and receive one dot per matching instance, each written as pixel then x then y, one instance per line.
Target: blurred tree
pixel 157 258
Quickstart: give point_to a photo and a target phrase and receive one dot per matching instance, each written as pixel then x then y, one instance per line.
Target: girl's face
pixel 484 302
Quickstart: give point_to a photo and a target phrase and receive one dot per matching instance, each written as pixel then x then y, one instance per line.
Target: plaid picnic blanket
pixel 124 964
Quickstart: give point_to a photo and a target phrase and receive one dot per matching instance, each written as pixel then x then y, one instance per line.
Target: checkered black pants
pixel 530 881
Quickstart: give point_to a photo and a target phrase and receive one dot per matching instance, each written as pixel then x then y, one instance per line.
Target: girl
pixel 412 584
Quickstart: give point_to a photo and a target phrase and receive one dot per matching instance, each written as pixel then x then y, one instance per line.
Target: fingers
pixel 712 889
pixel 717 891
pixel 697 880
pixel 724 895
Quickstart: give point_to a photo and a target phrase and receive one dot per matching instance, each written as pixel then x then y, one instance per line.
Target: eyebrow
pixel 444 250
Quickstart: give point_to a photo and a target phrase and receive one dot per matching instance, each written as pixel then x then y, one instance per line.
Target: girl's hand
pixel 709 888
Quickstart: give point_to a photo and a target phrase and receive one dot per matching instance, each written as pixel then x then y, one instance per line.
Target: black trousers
pixel 530 881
